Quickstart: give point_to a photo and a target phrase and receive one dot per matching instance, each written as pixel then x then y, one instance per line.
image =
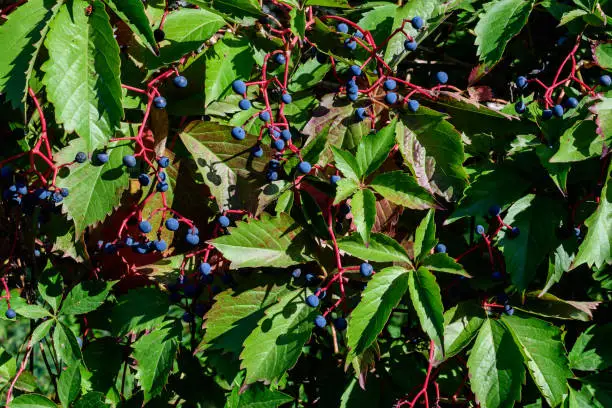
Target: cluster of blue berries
pixel 18 192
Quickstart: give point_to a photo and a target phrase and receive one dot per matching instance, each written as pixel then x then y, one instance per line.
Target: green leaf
pixel 596 249
pixel 66 344
pixel 540 343
pixel 270 241
pixel 69 384
pixel 32 311
pixel 571 15
pixel 92 400
pixel 344 189
pixel 83 80
pixel 50 286
pixel 381 248
pixel 228 168
pixel 21 36
pixel 502 20
pixel 356 397
pixel 298 22
pixel 461 325
pixel 402 189
pixel 140 309
pixel 603 109
pixel 32 401
pixel 382 293
pixel 592 350
pixel 579 142
pixel 313 215
pixel 132 13
pixel 537 217
pixel 548 305
pixel 347 164
pixel 276 344
pixel 363 206
pixel 427 301
pixel 443 263
pixel 328 3
pixel 603 55
pixel 155 353
pixel 95 190
pixel 229 59
pixel 42 330
pixel 85 297
pixel 307 75
pixel 374 149
pixel 235 314
pixel 425 236
pixel 496 367
pixel 599 386
pixel 259 396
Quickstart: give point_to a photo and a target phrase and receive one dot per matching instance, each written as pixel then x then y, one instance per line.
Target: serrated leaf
pixel 227 166
pixel 363 207
pixel 42 330
pixel 548 305
pixel 402 189
pixel 259 396
pixel 307 75
pixel 83 80
pixel 501 21
pixel 461 325
pixel 229 59
pixel 313 215
pixel 374 149
pixel 596 249
pixel 155 353
pixel 541 346
pixel 95 190
pixel 347 164
pixel 140 309
pixel 92 399
pixel 298 22
pixel 132 13
pixel 69 384
pixel 382 293
pixel 496 367
pixel 579 142
pixel 571 15
pixel 270 241
pixel 441 262
pixel 381 248
pixel 537 217
pixel 592 350
pixel 32 401
pixel 21 36
pixel 85 297
pixel 328 3
pixel 344 189
pixel 425 236
pixel 32 311
pixel 276 344
pixel 427 301
pixel 66 344
pixel 602 53
pixel 50 286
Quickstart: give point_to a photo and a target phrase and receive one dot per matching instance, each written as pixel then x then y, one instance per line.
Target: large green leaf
pixel 83 80
pixel 227 166
pixel 69 384
pixel 66 344
pixel 502 20
pixel 307 75
pixel 257 396
pixel 427 301
pixel 596 249
pixel 132 13
pixel 592 350
pixel 50 286
pixel 374 148
pixel 139 309
pixel 270 241
pixel 347 164
pixel 92 399
pixel 86 297
pixel 228 60
pixel 425 236
pixel 401 188
pixel 276 344
pixel 31 401
pixel 540 343
pixel 21 37
pixel 461 325
pixel 382 293
pixel 579 142
pixel 496 367
pixel 363 205
pixel 380 249
pixel 441 262
pixel 603 55
pixel 538 218
pixel 155 354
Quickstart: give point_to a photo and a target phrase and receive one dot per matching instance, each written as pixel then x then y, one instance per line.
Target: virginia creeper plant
pixel 305 203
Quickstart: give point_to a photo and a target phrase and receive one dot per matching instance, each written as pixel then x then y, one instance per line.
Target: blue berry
pixel 278 144
pixel 320 322
pixel 102 158
pixel 515 232
pixel 360 113
pixel 272 175
pixel 335 179
pixel 417 22
pixel 244 104
pixel 571 102
pixel 577 232
pixel 391 98
pixel 280 59
pixel 508 309
pixel 205 268
pixel 355 70
pixel 238 133
pixel 144 180
pixel 163 162
pixel 547 114
pixel 22 188
pixel 345 209
pixel 605 80
pixel 312 301
pixel 358 34
pixel 160 102
pixel 80 157
pixel 193 231
pixel 390 84
pixel 342 28
pixel 180 81
pixel 223 221
pixel 496 275
pixel 340 323
pixel 10 314
pixel 187 317
pixel 442 77
pixel 520 107
pixel 480 229
pixel 129 241
pixel 350 44
pixel 239 86
pixel 296 273
pixel 162 187
pixel 172 224
pixel 304 167
pixel 410 45
pixel 352 89
pixel 440 248
pixel 558 111
pixel 353 96
pixel 286 98
pixel 264 116
pixel 192 239
pixel 162 176
pixel 42 194
pixel 521 82
pixel 160 245
pixel 365 269
pixel 64 192
pixel 310 278
pixel 145 226
pixel 56 197
pixel 494 210
pixel 413 105
pixel 286 135
pixel 257 151
pixel 129 161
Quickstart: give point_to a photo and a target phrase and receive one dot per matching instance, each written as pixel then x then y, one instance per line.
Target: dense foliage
pixel 295 203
